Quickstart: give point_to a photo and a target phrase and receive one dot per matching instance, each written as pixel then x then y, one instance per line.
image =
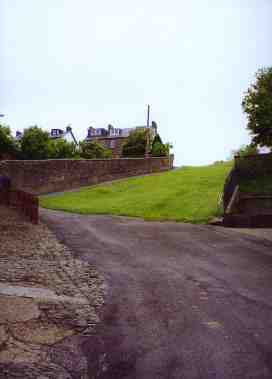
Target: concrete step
pixel 217 221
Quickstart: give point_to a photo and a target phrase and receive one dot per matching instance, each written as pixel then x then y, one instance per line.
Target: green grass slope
pixel 189 194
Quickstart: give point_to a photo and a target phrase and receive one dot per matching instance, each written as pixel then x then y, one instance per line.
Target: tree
pixel 62 149
pixel 245 150
pixel 94 150
pixel 35 143
pixel 136 144
pixel 157 138
pixel 257 104
pixel 160 149
pixel 7 142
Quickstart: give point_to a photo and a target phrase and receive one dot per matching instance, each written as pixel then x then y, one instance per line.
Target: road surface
pixel 184 301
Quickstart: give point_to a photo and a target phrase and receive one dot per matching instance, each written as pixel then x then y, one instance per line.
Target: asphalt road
pixel 184 301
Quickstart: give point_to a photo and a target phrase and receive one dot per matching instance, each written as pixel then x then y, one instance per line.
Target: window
pixel 112 144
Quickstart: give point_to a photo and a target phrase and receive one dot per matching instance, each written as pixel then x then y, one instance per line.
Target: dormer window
pixel 56 132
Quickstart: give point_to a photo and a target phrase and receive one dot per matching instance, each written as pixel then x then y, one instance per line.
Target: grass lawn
pixel 189 194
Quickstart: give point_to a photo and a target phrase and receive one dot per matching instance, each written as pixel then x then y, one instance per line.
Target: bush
pixel 135 146
pixel 94 150
pixel 159 150
pixel 7 142
pixel 35 143
pixel 62 149
pixel 245 151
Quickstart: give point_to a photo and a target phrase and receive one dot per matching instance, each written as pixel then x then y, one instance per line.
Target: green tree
pixel 160 149
pixel 156 139
pixel 62 149
pixel 257 104
pixel 136 143
pixel 245 151
pixel 94 150
pixel 35 143
pixel 7 142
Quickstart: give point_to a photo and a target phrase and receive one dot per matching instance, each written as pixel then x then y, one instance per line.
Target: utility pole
pixel 148 115
pixel 147 135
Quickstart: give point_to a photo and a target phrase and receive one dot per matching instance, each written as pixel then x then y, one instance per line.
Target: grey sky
pixel 94 62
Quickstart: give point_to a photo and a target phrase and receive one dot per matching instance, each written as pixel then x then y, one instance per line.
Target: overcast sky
pixel 94 62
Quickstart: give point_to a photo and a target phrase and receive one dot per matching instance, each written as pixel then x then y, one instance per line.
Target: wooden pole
pixel 148 115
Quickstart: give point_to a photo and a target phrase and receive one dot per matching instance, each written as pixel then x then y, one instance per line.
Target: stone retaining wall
pixel 253 165
pixel 252 210
pixel 247 168
pixel 45 176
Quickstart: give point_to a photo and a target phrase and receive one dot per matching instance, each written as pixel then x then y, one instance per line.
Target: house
pixel 18 135
pixel 68 135
pixel 114 138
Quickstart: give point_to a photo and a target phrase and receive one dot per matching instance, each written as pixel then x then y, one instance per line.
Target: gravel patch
pixel 48 299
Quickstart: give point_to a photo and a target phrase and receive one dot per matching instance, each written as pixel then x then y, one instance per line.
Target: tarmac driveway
pixel 184 301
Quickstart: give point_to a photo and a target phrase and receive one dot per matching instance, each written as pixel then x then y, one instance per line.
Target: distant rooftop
pixel 115 132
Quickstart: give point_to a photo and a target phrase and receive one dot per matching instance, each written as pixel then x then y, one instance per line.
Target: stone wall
pixel 45 176
pixel 253 165
pixel 246 168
